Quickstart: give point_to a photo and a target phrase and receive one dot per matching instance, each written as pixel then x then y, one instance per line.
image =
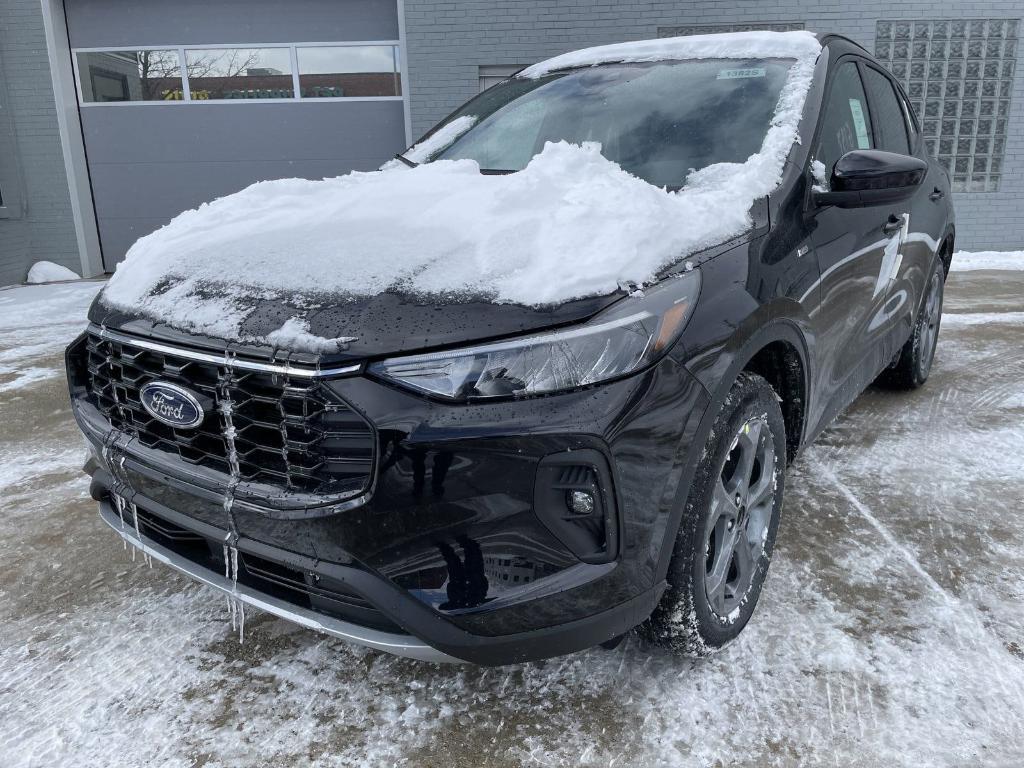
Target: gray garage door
pixel 186 101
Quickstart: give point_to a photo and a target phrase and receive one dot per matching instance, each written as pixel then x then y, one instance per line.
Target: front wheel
pixel 728 528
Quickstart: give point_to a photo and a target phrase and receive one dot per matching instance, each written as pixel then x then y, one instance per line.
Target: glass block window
pixel 710 29
pixel 959 76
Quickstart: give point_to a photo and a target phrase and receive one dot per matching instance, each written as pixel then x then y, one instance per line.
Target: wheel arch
pixel 778 351
pixel 773 342
pixel 946 247
pixel 779 362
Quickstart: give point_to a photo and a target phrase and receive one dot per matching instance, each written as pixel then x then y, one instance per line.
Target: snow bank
pixel 966 261
pixel 571 224
pixel 48 272
pixel 982 318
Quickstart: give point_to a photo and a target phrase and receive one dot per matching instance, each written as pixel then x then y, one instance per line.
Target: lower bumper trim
pixel 397 645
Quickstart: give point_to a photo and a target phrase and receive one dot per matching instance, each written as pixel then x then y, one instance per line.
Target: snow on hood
pixel 570 225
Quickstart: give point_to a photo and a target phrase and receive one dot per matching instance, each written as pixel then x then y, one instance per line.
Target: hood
pixel 375 326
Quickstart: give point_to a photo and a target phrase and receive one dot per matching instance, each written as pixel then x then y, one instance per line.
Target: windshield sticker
pixel 859 124
pixel 736 74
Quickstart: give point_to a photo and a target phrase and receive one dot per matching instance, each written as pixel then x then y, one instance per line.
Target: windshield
pixel 657 120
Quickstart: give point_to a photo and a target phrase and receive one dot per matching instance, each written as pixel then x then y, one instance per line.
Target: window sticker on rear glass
pixel 857 111
pixel 737 74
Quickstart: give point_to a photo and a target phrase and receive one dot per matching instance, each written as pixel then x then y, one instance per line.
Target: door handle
pixel 936 195
pixel 893 225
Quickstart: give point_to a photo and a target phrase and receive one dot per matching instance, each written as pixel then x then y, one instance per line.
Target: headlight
pixel 628 336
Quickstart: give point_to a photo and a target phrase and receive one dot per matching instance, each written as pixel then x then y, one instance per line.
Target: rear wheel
pixel 728 529
pixel 911 368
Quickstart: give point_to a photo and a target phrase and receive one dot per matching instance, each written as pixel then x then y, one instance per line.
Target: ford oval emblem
pixel 171 404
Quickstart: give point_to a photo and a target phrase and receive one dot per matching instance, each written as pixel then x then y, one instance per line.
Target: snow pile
pixel 294 334
pixel 965 261
pixel 571 224
pixel 950 319
pixel 820 173
pixel 48 272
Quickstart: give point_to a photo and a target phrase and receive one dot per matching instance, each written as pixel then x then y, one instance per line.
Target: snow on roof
pixel 571 224
pixel 729 45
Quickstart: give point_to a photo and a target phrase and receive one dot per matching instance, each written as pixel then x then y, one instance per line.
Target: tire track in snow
pixel 967 610
pixel 979 638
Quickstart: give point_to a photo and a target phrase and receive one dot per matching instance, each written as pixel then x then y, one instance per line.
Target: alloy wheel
pixel 930 327
pixel 741 511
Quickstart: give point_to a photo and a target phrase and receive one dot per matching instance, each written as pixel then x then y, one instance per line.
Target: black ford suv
pixel 427 493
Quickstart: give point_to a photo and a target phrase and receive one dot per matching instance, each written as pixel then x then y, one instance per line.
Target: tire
pixel 913 364
pixel 710 598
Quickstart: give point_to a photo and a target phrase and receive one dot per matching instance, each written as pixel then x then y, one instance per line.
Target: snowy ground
pixel 891 631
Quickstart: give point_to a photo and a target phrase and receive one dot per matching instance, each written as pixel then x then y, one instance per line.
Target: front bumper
pixel 418 632
pixel 452 500
pixel 393 643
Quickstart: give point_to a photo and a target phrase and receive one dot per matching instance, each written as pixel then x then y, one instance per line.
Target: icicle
pixel 227 576
pixel 236 614
pixel 226 409
pixel 119 503
pixel 236 609
pixel 138 532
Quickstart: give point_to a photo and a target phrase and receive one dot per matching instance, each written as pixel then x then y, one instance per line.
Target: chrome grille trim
pixel 298 371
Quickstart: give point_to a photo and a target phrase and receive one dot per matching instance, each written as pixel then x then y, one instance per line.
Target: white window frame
pixel 496 72
pixel 399 71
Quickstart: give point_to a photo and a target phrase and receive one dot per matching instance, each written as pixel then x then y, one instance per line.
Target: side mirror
pixel 872 177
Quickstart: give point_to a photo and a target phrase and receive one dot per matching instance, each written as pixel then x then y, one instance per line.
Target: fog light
pixel 580 502
pixel 574 498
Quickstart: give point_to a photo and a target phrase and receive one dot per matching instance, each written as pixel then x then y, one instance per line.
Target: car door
pixel 906 273
pixel 855 249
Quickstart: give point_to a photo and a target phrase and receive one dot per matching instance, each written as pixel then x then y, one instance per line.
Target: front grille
pixel 293 433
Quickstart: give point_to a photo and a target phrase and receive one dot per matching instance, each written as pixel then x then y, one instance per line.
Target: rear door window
pixel 890 123
pixel 846 121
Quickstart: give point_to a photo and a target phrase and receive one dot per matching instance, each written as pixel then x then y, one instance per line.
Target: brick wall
pixel 448 41
pixel 43 229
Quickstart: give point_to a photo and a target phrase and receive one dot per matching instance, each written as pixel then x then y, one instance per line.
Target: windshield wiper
pixel 406 160
pixel 496 171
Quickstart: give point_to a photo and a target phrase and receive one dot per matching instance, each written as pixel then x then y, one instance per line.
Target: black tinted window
pixel 845 123
pixel 889 120
pixel 657 120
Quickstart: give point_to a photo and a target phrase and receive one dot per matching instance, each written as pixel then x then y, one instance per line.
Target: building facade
pixel 116 115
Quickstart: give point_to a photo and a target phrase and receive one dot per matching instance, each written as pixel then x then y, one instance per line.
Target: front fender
pixel 730 326
pixel 747 303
